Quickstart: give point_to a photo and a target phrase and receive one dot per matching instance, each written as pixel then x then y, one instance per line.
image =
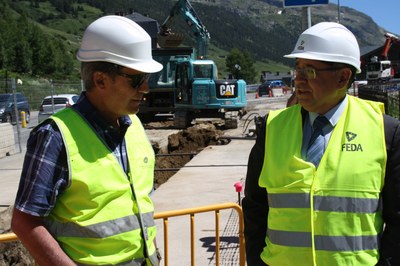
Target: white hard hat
pixel 118 40
pixel 330 42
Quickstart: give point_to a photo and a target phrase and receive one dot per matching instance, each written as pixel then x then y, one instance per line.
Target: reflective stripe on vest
pixel 328 243
pixel 335 204
pixel 100 230
pixel 96 219
pixel 136 262
pixel 330 215
pixel 153 260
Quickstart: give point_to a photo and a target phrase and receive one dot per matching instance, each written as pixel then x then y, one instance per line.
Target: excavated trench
pixel 182 147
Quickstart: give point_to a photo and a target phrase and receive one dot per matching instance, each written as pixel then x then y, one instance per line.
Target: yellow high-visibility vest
pixel 96 220
pixel 328 215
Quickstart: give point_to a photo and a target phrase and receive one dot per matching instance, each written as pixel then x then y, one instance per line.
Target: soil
pixel 181 148
pixel 12 253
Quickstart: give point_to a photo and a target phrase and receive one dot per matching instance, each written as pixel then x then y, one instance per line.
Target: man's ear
pixel 99 79
pixel 344 77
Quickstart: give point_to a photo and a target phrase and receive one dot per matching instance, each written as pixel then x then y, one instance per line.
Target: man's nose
pixel 144 88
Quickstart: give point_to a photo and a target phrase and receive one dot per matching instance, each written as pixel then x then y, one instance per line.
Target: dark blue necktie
pixel 316 144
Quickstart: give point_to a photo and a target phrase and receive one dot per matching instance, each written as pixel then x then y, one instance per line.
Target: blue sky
pixel 385 13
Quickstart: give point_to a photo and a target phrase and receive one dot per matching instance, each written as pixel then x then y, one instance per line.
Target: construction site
pixel 197 168
pixel 202 129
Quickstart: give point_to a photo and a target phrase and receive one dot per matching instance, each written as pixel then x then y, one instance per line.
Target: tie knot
pixel 320 122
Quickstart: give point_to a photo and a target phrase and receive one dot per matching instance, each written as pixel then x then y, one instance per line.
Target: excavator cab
pixel 202 71
pixel 183 83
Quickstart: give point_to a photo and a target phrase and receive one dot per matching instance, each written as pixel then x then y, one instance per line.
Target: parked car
pixel 52 104
pixel 7 107
pixel 266 87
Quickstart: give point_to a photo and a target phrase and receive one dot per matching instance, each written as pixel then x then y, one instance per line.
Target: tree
pixel 22 61
pixel 241 65
pixel 26 48
pixel 39 45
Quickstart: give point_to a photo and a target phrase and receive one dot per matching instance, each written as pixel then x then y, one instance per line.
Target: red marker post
pixel 239 187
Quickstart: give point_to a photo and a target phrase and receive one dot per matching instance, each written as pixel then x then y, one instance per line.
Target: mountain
pixel 261 27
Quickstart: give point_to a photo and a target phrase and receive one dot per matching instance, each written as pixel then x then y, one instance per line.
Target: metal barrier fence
pixel 192 211
pixel 8 237
pixel 36 91
pixel 385 93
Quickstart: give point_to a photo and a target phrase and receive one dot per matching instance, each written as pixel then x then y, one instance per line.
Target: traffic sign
pixel 294 3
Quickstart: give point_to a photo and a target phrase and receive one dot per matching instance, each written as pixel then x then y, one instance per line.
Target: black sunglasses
pixel 136 79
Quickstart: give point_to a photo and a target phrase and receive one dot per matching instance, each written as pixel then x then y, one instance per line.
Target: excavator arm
pixel 390 39
pixel 167 38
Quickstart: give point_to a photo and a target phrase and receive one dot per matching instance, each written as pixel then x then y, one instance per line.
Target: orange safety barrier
pixel 192 212
pixel 8 237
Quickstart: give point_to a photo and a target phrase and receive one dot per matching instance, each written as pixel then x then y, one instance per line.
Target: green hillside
pixel 40 38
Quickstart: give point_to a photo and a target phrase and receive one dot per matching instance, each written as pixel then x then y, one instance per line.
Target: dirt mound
pixel 12 253
pixel 182 146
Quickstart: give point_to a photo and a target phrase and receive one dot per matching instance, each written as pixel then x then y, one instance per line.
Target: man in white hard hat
pixel 323 179
pixel 88 172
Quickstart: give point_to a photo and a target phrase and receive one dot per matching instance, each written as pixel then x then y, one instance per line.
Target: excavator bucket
pixel 170 40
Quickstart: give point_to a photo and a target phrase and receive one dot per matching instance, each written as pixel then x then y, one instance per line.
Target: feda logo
pixel 350 136
pixel 351 146
pixel 227 90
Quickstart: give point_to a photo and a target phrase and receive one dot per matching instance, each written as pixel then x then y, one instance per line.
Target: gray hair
pixel 89 68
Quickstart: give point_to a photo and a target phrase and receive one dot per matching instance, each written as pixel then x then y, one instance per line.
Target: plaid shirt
pixel 45 172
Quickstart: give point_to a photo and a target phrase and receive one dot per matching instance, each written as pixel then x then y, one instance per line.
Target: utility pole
pixel 305 18
pixel 338 10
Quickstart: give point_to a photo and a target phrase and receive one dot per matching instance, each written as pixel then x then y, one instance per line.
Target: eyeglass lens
pixel 137 79
pixel 307 72
pixel 311 73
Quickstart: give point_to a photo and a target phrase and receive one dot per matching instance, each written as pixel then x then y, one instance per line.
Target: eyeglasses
pixel 311 73
pixel 136 79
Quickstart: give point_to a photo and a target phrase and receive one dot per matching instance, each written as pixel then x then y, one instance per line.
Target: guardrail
pixel 8 237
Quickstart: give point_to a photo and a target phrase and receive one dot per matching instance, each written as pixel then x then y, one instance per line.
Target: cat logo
pixel 351 146
pixel 227 90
